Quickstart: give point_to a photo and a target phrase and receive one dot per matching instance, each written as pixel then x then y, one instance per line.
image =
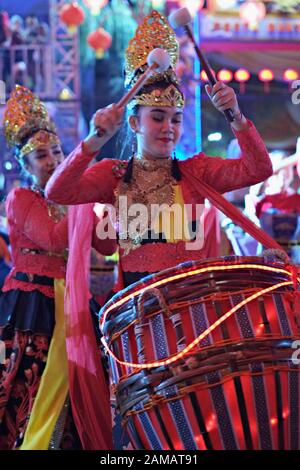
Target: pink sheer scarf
pixel 89 391
pixel 219 201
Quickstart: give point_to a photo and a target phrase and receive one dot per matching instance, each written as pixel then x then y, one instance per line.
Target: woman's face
pixel 158 130
pixel 42 162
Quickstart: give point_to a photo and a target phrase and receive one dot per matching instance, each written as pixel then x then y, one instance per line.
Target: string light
pixel 199 338
pixel 187 273
pixel 242 76
pixel 225 75
pixel 181 354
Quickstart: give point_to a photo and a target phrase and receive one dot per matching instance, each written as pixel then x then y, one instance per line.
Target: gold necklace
pixel 55 211
pixel 151 185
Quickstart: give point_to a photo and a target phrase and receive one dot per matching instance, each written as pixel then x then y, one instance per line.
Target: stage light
pixel 225 75
pixel 8 166
pixel 192 5
pixel 95 5
pixel 214 137
pixel 252 13
pixel 290 75
pixel 242 75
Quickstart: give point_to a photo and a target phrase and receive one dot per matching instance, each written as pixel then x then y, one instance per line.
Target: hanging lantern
pixel 99 40
pixel 266 76
pixel 95 5
pixel 65 94
pixel 271 28
pixel 225 75
pixel 236 28
pixel 252 12
pixel 72 15
pixel 192 5
pixel 290 75
pixel 242 76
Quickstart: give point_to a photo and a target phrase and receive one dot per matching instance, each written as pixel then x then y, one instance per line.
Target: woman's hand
pixel 223 97
pixel 104 124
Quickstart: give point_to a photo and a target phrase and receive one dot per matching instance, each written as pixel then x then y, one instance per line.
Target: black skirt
pixel 28 311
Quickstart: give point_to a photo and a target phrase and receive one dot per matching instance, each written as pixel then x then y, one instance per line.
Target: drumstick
pixel 158 61
pixel 182 17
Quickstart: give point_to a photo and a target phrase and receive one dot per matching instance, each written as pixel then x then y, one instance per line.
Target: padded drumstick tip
pixel 181 17
pixel 160 57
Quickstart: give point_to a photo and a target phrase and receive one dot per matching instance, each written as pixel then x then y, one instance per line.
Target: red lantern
pixel 242 76
pixel 237 27
pixel 271 28
pixel 100 40
pixel 225 75
pixel 72 15
pixel 252 12
pixel 266 76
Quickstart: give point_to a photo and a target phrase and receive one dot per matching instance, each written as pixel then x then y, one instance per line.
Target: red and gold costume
pixel 38 235
pixel 31 303
pixel 150 183
pixel 75 183
pixel 35 412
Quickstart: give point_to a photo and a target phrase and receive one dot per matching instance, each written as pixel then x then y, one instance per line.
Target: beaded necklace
pixel 55 211
pixel 151 185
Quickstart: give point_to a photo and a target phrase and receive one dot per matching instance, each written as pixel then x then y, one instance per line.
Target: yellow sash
pixel 174 226
pixel 53 387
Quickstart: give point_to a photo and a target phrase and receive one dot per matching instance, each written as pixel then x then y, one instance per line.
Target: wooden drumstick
pixel 158 61
pixel 182 17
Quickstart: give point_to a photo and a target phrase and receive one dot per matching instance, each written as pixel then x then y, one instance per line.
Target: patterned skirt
pixel 27 321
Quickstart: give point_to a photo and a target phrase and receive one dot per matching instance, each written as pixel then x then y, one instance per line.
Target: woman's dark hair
pixel 161 84
pixel 23 161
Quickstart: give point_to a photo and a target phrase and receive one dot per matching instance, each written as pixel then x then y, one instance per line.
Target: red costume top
pixel 38 236
pixel 75 183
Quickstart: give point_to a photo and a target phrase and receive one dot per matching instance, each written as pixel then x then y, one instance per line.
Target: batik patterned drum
pixel 202 356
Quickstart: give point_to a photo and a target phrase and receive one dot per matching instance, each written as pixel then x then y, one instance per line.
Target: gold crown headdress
pixel 26 116
pixel 154 32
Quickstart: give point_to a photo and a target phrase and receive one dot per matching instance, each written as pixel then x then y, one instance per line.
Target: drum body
pixel 238 387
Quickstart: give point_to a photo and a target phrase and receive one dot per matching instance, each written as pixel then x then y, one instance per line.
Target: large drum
pixel 204 356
